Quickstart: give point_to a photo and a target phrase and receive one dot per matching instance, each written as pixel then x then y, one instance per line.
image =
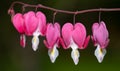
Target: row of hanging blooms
pixel 69 36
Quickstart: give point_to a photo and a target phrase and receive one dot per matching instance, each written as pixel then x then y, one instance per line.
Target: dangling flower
pixel 42 23
pixel 35 24
pixel 31 25
pixel 52 40
pixel 18 22
pixel 100 39
pixel 74 37
pixel 41 29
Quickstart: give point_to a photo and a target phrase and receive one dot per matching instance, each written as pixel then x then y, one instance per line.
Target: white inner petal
pixel 37 32
pixel 75 53
pixel 53 53
pixel 35 42
pixel 35 39
pixel 100 53
pixel 73 45
pixel 75 56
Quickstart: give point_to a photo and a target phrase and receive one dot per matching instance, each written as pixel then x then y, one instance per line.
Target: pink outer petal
pixel 100 34
pixel 52 35
pixel 46 44
pixel 105 29
pixel 63 44
pixel 106 44
pixel 66 35
pixel 18 22
pixel 57 31
pixel 95 26
pixel 79 34
pixel 93 40
pixel 86 42
pixel 105 32
pixel 31 23
pixel 42 22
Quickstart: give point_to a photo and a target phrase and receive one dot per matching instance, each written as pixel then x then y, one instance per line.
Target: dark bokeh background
pixel 14 58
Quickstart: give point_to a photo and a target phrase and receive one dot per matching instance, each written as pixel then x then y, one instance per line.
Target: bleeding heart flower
pixel 52 40
pixel 35 24
pixel 41 29
pixel 31 23
pixel 74 37
pixel 42 23
pixel 100 39
pixel 18 22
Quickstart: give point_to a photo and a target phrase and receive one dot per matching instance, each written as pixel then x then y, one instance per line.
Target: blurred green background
pixel 15 58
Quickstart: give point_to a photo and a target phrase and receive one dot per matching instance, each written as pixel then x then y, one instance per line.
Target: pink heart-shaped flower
pixel 52 35
pixel 66 35
pixel 18 22
pixel 79 34
pixel 31 23
pixel 100 34
pixel 74 34
pixel 42 22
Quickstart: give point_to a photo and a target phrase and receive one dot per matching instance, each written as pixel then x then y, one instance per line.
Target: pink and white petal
pixel 42 22
pixel 101 34
pixel 52 34
pixel 31 22
pixel 79 34
pixel 67 33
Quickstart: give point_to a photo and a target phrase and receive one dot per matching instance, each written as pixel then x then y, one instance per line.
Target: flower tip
pixel 34 48
pixel 11 11
pixel 100 53
pixel 75 56
pixel 100 60
pixel 53 54
pixel 35 43
pixel 52 59
pixel 76 61
pixel 22 40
